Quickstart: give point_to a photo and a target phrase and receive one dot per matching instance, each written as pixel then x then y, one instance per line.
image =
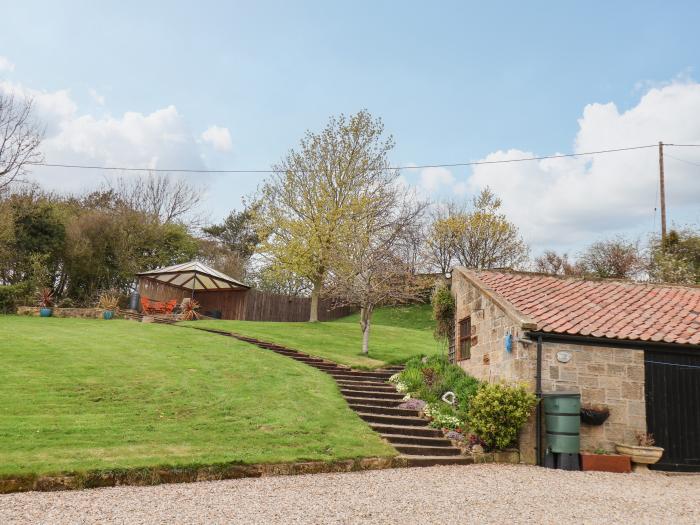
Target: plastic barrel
pixel 562 413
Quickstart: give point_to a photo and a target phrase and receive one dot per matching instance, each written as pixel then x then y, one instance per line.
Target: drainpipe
pixel 538 394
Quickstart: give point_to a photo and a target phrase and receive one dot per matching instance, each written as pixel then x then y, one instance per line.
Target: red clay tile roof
pixel 605 308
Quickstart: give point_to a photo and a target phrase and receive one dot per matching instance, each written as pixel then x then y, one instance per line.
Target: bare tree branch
pixel 20 137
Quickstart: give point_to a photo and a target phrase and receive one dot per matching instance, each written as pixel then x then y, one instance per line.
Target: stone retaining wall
pixel 85 313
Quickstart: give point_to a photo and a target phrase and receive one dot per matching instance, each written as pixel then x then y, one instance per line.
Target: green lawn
pixel 397 335
pixel 82 394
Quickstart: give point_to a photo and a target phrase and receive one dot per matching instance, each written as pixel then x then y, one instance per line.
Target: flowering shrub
pixel 476 440
pixel 442 416
pixel 498 411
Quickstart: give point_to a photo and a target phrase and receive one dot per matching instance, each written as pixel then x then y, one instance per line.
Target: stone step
pixel 393 420
pixel 429 461
pixel 367 385
pixel 377 402
pixel 390 411
pixel 371 393
pixel 384 428
pixel 422 450
pixel 369 375
pixel 346 376
pixel 403 439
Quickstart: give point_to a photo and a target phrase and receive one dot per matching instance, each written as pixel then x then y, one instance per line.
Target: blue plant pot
pixel 45 311
pixel 107 314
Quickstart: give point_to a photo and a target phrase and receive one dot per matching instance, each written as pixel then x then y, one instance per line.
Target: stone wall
pixel 613 377
pixel 86 313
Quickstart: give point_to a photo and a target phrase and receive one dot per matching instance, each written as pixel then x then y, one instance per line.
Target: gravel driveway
pixel 455 494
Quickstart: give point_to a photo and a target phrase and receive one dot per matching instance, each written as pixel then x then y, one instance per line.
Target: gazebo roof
pixel 194 275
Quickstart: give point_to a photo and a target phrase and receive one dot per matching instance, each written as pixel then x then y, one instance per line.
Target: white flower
pixel 394 378
pixel 407 397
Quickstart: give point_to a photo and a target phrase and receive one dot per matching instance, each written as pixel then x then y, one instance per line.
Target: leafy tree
pixel 616 258
pixel 230 245
pixel 480 237
pixel 306 210
pixel 677 260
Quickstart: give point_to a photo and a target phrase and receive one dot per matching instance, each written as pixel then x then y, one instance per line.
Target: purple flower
pixel 413 404
pixel 454 435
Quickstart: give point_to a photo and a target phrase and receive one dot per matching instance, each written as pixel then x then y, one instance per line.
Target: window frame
pixel 465 338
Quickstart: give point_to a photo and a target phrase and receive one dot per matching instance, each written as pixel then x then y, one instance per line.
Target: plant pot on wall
pixel 45 311
pixel 107 314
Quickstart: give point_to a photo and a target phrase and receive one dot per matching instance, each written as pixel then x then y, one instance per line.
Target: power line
pixel 683 160
pixel 454 165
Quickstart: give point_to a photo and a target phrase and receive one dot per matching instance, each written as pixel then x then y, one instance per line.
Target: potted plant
pixel 109 304
pixel 189 310
pixel 45 302
pixel 643 454
pixel 601 460
pixel 594 414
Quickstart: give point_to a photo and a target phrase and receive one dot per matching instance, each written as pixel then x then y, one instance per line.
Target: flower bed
pixel 476 416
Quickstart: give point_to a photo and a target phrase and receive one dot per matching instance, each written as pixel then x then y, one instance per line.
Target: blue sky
pixel 453 82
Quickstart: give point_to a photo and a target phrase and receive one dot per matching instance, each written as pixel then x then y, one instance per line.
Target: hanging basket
pixel 594 415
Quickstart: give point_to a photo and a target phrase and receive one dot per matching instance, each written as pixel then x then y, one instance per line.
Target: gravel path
pixel 455 494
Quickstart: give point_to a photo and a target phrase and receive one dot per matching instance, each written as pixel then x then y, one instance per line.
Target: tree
pixel 485 238
pixel 551 263
pixel 677 259
pixel 160 195
pixel 616 258
pixel 20 137
pixel 369 269
pixel 306 210
pixel 443 234
pixel 231 243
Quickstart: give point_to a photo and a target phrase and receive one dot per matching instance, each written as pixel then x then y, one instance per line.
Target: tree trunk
pixel 365 323
pixel 315 293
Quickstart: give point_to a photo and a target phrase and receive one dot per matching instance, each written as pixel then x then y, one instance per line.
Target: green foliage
pixel 12 296
pixel 677 260
pixel 429 378
pixel 443 303
pixel 498 412
pixel 443 415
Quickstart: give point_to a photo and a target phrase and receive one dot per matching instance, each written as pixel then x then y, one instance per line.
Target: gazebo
pixel 218 294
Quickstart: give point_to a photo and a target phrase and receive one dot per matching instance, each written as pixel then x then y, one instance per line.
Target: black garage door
pixel 673 407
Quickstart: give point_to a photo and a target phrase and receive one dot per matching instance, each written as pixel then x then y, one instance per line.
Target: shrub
pixel 498 412
pixel 443 311
pixel 11 297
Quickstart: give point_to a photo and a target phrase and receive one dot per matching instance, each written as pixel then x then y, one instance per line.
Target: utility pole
pixel 662 194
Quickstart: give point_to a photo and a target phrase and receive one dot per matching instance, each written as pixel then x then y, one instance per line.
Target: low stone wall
pixel 85 313
pixel 159 475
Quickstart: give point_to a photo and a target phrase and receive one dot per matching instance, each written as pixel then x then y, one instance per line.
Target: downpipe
pixel 538 409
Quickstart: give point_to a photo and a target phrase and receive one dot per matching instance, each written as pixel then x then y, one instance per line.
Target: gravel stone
pixel 448 494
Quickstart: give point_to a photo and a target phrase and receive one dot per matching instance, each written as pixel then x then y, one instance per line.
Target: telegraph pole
pixel 662 193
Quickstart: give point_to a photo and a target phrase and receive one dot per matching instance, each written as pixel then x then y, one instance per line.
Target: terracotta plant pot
pixel 641 456
pixel 605 462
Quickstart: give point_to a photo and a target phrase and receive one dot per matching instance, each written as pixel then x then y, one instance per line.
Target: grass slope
pixel 82 394
pixel 397 335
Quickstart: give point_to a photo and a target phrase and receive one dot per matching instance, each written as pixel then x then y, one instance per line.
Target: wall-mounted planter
pixel 45 311
pixel 594 416
pixel 605 462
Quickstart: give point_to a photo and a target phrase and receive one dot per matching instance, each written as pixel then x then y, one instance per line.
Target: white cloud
pixel 94 95
pixel 160 139
pixel 6 65
pixel 569 201
pixel 218 137
pixel 433 179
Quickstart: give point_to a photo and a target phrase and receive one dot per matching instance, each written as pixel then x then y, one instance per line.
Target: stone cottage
pixel 634 348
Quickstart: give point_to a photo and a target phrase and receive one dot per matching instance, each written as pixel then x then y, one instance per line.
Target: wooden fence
pixel 264 306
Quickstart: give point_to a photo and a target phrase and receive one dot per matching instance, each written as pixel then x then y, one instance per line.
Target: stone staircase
pixel 376 401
